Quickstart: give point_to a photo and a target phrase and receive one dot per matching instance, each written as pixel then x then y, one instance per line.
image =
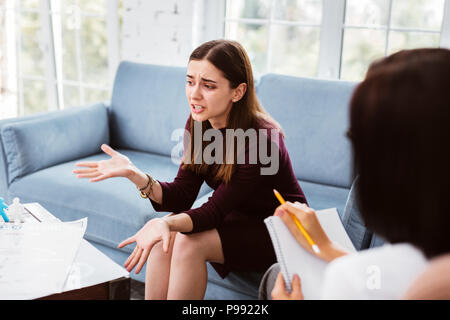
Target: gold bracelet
pixel 148 182
pixel 151 181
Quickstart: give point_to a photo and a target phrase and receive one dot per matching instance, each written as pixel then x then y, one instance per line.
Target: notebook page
pixel 294 259
pixel 333 227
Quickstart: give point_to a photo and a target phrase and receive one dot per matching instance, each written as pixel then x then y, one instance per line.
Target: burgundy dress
pixel 236 209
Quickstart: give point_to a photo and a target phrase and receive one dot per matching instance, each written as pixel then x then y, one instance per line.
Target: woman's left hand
pixel 279 291
pixel 154 231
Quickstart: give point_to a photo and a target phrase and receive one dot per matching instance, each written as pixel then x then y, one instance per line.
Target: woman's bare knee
pixel 157 252
pixel 203 245
pixel 185 248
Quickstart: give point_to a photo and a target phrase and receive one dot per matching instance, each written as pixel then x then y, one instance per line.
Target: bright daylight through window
pixel 287 36
pixel 56 54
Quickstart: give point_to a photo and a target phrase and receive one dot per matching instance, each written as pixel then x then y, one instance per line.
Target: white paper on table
pixel 35 258
pixel 91 267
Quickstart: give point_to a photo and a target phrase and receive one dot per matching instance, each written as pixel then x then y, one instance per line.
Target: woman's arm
pixel 179 195
pixel 329 250
pixel 226 198
pixel 118 165
pixel 179 222
pixel 140 179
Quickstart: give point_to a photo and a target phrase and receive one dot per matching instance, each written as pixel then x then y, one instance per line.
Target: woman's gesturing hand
pixel 117 166
pixel 153 231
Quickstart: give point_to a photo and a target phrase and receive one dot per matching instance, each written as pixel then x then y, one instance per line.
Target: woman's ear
pixel 239 92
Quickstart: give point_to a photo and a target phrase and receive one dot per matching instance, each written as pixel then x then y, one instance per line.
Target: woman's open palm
pixel 117 166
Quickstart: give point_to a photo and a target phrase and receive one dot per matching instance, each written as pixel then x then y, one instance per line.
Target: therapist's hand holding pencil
pixel 299 225
pixel 304 225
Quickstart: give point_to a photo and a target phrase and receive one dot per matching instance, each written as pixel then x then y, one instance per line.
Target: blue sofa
pixel 39 152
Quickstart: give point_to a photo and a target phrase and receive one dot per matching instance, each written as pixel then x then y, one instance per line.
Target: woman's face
pixel 208 92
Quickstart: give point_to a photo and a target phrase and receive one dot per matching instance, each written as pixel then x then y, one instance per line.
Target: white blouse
pixel 379 273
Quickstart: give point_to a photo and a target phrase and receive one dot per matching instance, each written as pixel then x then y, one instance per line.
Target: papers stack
pixel 36 258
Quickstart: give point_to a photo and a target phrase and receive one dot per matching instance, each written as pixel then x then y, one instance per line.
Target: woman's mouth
pixel 197 109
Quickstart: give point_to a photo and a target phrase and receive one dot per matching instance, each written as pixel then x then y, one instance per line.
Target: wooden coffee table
pixel 93 276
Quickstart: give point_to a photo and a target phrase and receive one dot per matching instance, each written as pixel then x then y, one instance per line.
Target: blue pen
pixel 3 206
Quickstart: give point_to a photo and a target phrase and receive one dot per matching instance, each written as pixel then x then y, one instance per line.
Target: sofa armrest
pixel 31 143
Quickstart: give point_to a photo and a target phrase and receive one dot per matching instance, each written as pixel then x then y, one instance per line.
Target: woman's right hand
pixel 117 166
pixel 329 250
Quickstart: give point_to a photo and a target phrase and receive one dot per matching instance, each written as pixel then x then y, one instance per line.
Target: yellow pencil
pixel 298 224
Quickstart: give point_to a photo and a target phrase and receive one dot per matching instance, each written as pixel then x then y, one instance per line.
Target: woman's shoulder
pixel 265 123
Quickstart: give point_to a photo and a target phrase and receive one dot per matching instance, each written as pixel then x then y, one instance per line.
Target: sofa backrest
pixel 148 103
pixel 314 116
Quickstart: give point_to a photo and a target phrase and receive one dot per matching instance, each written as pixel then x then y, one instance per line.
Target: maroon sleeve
pixel 226 197
pixel 180 194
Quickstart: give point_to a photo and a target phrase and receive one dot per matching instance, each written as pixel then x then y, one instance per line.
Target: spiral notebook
pixel 294 259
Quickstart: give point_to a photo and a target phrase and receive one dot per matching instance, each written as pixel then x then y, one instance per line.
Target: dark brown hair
pixel 399 128
pixel 230 58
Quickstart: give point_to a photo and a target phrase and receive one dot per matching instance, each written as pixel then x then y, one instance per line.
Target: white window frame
pixel 331 38
pixel 9 102
pixel 445 32
pixel 208 21
pixel 269 24
pixel 51 50
pixel 332 33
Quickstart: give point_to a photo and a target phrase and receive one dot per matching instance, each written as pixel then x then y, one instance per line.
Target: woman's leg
pixel 188 273
pixel 157 271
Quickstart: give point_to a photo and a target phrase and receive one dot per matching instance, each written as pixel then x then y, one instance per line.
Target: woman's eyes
pixel 207 86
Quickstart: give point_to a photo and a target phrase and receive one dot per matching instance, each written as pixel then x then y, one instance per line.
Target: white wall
pixel 166 31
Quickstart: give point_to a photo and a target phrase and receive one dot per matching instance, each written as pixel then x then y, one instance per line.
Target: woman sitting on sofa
pixel 228 230
pixel 399 119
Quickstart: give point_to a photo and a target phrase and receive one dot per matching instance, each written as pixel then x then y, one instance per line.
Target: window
pixel 8 81
pixel 81 50
pixel 333 38
pixel 280 36
pixel 375 28
pixel 67 52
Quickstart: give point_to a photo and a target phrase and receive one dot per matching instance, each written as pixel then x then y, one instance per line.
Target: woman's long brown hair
pixel 230 58
pixel 399 118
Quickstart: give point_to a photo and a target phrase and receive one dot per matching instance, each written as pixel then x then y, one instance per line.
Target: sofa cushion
pixel 114 207
pixel 314 116
pixel 38 143
pixel 148 103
